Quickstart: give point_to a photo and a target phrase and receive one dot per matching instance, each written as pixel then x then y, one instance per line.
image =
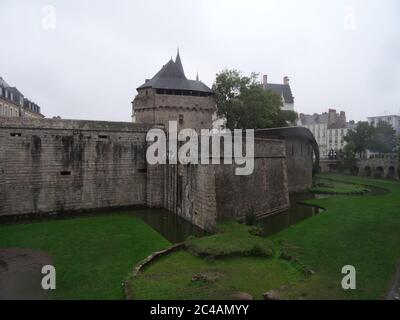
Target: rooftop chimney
pixel 343 118
pixel 265 80
pixel 286 80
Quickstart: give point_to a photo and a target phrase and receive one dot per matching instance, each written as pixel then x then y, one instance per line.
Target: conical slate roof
pixel 178 63
pixel 172 77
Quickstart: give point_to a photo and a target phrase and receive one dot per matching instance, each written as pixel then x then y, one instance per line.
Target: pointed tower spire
pixel 197 77
pixel 178 63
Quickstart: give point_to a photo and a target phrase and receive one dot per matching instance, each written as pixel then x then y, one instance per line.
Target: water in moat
pixel 299 212
pixel 172 227
pixel 176 229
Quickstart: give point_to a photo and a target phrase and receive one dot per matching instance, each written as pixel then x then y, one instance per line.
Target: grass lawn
pixel 334 187
pixel 92 255
pixel 233 239
pixel 363 231
pixel 171 277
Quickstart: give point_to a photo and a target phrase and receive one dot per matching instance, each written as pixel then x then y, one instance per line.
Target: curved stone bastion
pixel 56 166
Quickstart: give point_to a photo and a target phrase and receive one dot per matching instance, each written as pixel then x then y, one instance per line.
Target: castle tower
pixel 170 96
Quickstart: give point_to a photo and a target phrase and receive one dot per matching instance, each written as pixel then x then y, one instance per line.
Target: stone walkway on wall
pixel 20 274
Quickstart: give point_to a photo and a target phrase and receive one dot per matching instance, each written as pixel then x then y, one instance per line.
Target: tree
pixel 288 117
pixel 398 155
pixel 245 104
pixel 383 139
pixel 398 146
pixel 348 158
pixel 360 137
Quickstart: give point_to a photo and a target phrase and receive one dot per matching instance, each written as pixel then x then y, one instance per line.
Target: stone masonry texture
pixel 61 165
pixel 52 165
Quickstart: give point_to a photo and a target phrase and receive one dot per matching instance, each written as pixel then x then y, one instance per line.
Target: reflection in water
pixel 176 229
pixel 172 227
pixel 297 213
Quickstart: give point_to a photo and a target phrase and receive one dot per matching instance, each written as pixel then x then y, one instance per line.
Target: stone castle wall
pixel 299 155
pixel 60 165
pixel 51 166
pixel 206 194
pixel 264 192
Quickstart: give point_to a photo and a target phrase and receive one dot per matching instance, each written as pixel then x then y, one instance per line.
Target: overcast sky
pixel 85 59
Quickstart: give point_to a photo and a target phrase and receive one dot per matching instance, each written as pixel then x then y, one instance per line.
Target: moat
pixel 175 229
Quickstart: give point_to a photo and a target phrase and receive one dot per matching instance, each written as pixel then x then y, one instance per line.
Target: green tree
pixel 348 159
pixel 288 117
pixel 398 155
pixel 383 139
pixel 245 104
pixel 360 138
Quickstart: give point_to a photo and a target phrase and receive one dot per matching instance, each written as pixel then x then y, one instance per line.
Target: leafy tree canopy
pixel 244 104
pixel 383 139
pixel 380 139
pixel 360 137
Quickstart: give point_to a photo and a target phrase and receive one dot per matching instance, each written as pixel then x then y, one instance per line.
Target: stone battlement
pixel 62 124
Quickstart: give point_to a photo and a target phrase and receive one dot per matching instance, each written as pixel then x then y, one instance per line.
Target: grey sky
pixel 100 51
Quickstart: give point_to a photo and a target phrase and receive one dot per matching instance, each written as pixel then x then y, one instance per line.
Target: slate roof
pixel 283 90
pixel 314 119
pixel 172 77
pixel 17 95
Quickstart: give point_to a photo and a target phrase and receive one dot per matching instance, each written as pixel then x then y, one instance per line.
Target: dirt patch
pixel 20 274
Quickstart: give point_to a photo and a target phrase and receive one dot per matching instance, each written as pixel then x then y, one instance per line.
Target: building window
pixel 181 120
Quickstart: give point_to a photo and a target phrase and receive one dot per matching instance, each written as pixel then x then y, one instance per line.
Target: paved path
pixel 20 274
pixel 394 292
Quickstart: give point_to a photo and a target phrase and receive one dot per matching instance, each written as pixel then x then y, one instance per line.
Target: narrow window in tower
pixel 181 121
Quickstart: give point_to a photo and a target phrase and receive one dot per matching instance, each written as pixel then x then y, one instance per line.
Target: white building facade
pixel 329 130
pixel 393 120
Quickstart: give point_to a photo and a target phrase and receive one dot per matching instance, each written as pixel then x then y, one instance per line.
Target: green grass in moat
pixel 363 231
pixel 323 186
pixel 92 255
